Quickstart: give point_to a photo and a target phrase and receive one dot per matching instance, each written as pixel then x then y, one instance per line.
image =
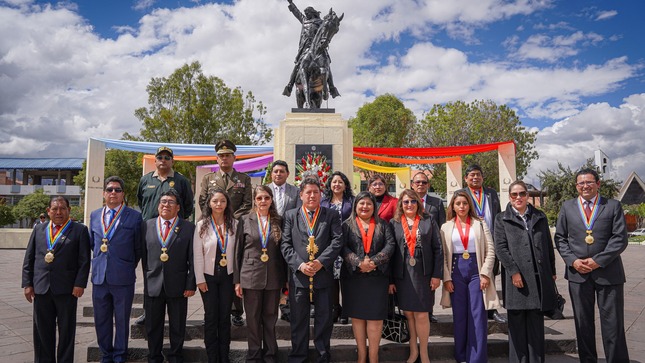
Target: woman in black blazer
pixel 417 268
pixel 260 273
pixel 368 245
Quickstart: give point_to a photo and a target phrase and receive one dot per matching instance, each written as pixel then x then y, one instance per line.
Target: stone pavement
pixel 16 343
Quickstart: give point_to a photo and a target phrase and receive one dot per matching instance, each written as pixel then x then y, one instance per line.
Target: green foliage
pixel 124 164
pixel 385 122
pixel 6 214
pixel 479 122
pixel 31 206
pixel 77 213
pixel 559 185
pixel 189 107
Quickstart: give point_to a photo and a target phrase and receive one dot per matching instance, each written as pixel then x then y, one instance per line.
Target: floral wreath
pixel 313 164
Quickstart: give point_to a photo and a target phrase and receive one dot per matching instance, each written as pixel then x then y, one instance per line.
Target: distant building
pixel 22 176
pixel 633 190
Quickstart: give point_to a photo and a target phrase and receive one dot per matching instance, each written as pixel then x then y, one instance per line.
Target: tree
pixel 385 122
pixel 6 214
pixel 31 206
pixel 189 107
pixel 559 185
pixel 479 122
pixel 125 164
pixel 637 210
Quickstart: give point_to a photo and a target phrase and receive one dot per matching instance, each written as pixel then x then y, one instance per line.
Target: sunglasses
pixel 164 157
pixel 520 194
pixel 410 201
pixel 261 198
pixel 110 190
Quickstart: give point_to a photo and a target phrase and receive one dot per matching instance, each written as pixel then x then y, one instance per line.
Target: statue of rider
pixel 310 23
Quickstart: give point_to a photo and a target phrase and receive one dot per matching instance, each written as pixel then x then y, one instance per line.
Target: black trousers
pixel 525 336
pixel 48 310
pixel 217 310
pixel 261 315
pixel 300 306
pixel 155 309
pixel 611 306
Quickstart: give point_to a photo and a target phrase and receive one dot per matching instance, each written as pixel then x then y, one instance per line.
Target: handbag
pixel 557 313
pixel 395 327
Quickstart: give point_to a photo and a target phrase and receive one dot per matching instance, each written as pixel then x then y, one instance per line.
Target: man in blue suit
pixel 115 240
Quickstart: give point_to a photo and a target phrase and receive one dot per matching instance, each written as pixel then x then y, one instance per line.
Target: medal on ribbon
pixel 53 239
pixel 411 236
pixel 480 202
pixel 264 229
pixel 165 237
pixel 312 248
pixel 222 241
pixel 368 235
pixel 589 222
pixel 108 231
pixel 464 236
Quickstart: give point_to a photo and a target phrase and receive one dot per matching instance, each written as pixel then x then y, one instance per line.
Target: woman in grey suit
pixel 213 248
pixel 260 273
pixel 524 247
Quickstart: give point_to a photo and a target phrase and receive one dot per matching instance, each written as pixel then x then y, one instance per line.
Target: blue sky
pixel 572 70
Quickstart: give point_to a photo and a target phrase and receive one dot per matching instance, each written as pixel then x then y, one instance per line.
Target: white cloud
pixel 553 48
pixel 615 130
pixel 607 14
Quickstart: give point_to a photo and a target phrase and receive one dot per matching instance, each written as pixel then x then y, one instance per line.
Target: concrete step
pixel 343 350
pixel 195 330
pixel 88 311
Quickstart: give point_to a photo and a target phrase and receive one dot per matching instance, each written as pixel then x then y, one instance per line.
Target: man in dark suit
pixel 239 189
pixel 590 236
pixel 168 276
pixel 434 207
pixel 300 226
pixel 286 197
pixel 115 232
pixel 54 276
pixel 487 206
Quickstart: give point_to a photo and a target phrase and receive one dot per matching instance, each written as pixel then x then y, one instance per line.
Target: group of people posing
pixel 252 242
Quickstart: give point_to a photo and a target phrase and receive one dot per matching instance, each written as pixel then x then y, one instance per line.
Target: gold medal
pixel 104 247
pixel 223 261
pixel 589 239
pixel 164 256
pixel 413 261
pixel 312 248
pixel 264 257
pixel 49 257
pixel 104 240
pixel 465 255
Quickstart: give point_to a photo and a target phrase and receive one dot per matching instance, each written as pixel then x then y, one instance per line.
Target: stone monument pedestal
pixel 323 133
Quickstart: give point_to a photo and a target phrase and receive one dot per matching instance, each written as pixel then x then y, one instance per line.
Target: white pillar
pixel 94 176
pixel 507 171
pixel 453 178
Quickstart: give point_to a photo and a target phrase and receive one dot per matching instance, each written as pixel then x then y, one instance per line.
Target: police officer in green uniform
pixel 239 190
pixel 236 185
pixel 153 184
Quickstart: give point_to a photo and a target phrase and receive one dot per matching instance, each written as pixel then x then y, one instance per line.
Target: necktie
pixel 109 217
pixel 280 199
pixel 226 181
pixel 477 194
pixel 167 223
pixel 587 208
pixel 56 229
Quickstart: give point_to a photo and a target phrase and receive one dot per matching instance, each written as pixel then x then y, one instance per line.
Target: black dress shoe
pixel 141 320
pixel 497 317
pixel 344 321
pixel 237 320
pixel 285 317
pixel 433 319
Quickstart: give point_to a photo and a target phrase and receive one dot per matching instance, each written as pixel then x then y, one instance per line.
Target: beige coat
pixel 485 260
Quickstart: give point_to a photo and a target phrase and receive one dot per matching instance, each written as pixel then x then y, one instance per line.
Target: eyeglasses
pixel 378 185
pixel 110 190
pixel 420 182
pixel 167 202
pixel 410 201
pixel 585 183
pixel 164 157
pixel 520 194
pixel 261 198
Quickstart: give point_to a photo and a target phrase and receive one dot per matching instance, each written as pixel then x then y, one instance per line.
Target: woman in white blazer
pixel 214 250
pixel 469 255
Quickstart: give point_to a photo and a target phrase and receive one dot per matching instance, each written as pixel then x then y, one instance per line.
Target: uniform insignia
pixel 152 186
pixel 172 184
